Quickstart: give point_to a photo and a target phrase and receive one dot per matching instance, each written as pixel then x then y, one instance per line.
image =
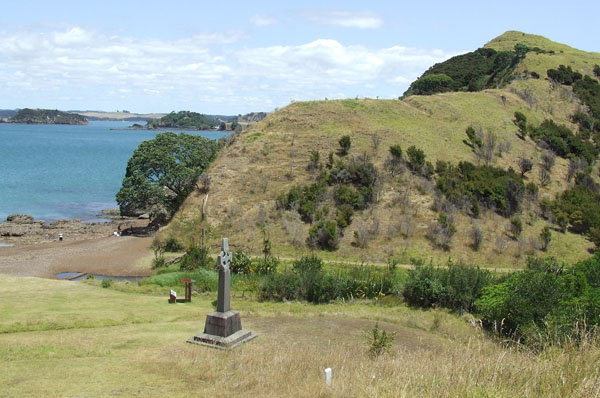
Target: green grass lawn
pixel 76 339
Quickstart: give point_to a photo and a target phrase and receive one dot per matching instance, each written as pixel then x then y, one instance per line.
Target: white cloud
pixel 345 19
pixel 170 74
pixel 263 20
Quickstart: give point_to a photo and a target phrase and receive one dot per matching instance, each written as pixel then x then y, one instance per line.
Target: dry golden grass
pixel 143 352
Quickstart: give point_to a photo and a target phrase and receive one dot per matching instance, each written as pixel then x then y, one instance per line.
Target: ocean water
pixel 55 171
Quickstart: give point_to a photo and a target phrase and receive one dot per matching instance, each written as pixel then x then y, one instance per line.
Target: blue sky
pixel 230 57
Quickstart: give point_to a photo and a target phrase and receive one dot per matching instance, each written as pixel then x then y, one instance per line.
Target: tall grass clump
pixel 308 280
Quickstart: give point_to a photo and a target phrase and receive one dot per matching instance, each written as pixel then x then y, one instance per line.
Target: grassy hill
pixel 265 161
pixel 60 338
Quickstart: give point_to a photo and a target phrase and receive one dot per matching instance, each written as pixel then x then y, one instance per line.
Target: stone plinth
pixel 223 343
pixel 223 324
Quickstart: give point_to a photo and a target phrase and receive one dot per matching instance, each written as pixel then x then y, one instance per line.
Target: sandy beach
pixel 115 256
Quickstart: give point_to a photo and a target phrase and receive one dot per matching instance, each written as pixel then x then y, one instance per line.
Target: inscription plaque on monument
pixel 223 328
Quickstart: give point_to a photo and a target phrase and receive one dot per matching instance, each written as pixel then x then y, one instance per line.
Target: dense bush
pixel 173 245
pixel 547 295
pixel 308 264
pixel 305 199
pixel 564 75
pixel 265 266
pixel 587 90
pixel 195 258
pixel 306 282
pixel 489 185
pixel 456 287
pixel 325 234
pixel 416 158
pixel 241 263
pixel 581 205
pixel 474 71
pixel 563 142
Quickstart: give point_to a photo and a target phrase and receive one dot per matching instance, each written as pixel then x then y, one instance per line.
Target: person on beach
pixel 60 237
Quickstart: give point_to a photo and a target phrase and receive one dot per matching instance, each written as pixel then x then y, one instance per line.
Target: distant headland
pixel 46 116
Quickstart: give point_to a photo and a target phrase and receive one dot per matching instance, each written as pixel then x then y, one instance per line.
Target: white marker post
pixel 328 377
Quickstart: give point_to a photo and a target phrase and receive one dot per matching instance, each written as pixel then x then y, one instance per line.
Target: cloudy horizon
pixel 262 60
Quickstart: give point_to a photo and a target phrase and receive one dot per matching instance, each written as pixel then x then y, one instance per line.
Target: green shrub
pixel 379 341
pixel 308 264
pixel 564 75
pixel 107 283
pixel 345 195
pixel 324 235
pixel 574 203
pixel 416 158
pixel 456 287
pixel 516 227
pixel 195 258
pixel 396 151
pixel 265 266
pixel 158 262
pixel 241 263
pixel 314 285
pixel 344 216
pixel 473 140
pixel 173 245
pixel 491 186
pixel 345 144
pixel 563 142
pixel 545 238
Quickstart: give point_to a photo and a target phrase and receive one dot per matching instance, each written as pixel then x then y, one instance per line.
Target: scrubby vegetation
pixel 563 142
pixel 467 184
pixel 547 301
pixel 351 183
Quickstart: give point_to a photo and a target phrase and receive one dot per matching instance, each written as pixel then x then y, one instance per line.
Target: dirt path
pixel 106 256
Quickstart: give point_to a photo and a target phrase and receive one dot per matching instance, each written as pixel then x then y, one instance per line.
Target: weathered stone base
pixel 223 343
pixel 223 324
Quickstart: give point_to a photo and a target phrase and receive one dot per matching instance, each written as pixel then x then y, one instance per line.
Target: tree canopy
pixel 163 171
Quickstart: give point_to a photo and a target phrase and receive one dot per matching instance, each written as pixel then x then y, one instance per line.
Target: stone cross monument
pixel 223 328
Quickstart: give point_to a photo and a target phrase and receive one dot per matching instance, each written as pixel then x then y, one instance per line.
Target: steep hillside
pixel 266 161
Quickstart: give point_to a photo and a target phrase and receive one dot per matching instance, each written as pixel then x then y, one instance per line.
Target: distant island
pixel 46 116
pixel 182 120
pixel 187 120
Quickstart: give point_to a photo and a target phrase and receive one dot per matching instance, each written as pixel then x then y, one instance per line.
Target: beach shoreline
pixel 32 247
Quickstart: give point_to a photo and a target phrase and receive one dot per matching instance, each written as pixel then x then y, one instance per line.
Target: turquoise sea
pixel 55 171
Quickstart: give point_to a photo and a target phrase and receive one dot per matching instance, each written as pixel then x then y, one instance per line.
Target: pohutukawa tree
pixel 163 171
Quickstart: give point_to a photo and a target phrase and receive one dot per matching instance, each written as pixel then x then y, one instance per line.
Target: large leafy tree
pixel 163 171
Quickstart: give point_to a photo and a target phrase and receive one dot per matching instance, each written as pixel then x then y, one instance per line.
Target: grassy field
pixel 70 339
